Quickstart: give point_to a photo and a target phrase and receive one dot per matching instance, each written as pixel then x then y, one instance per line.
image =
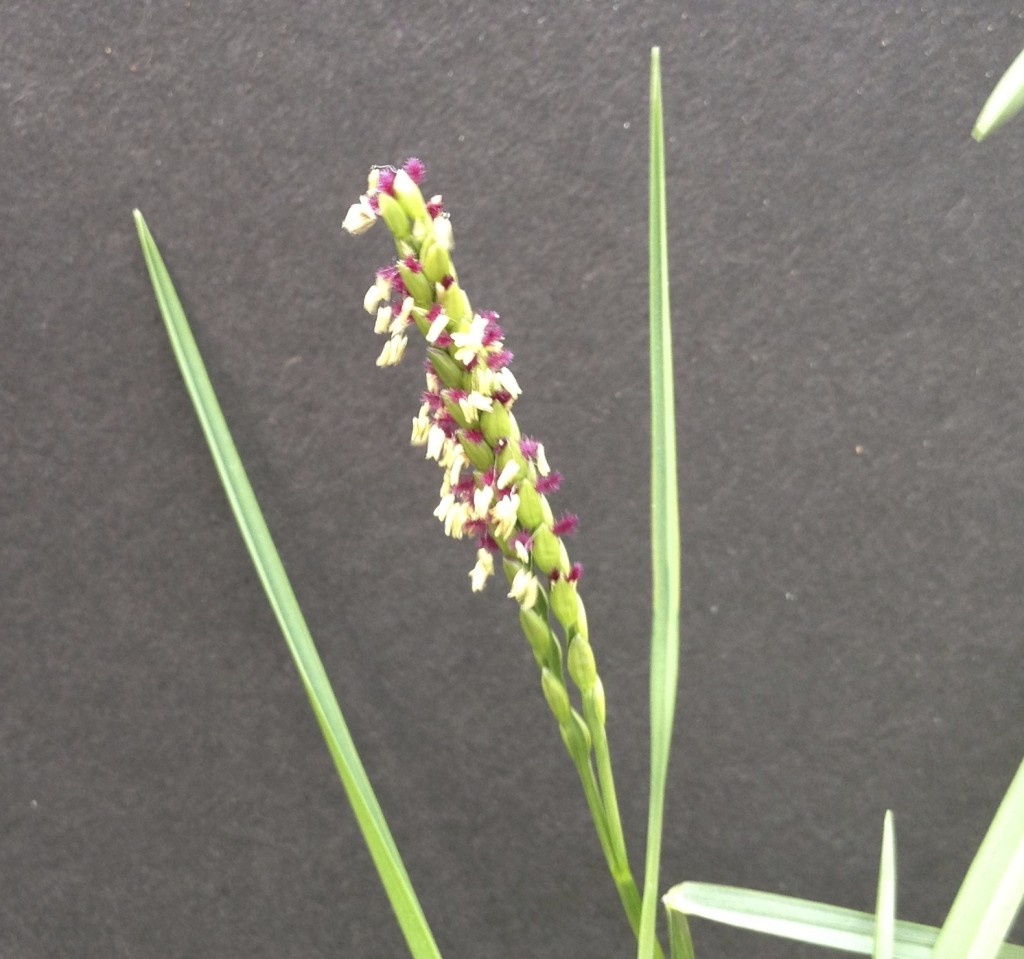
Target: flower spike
pixel 496 481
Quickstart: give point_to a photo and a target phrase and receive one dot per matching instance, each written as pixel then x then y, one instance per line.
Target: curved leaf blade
pixel 282 599
pixel 804 921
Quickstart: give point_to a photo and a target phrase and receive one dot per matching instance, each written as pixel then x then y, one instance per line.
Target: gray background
pixel 846 285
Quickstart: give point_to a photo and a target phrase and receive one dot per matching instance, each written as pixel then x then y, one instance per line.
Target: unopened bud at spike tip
pixel 410 197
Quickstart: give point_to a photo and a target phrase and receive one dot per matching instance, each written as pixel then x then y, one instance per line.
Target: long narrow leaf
pixel 804 921
pixel 1003 102
pixel 992 890
pixel 278 589
pixel 885 903
pixel 664 518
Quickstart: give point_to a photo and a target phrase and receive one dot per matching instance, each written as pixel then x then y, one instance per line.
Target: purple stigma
pixel 496 361
pixel 565 524
pixel 549 483
pixel 415 168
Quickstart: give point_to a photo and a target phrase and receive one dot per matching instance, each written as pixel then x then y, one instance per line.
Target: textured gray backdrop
pixel 847 299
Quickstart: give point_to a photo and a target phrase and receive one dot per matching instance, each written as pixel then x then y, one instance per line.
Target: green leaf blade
pixel 885 902
pixel 272 575
pixel 992 890
pixel 664 517
pixel 802 920
pixel 1004 102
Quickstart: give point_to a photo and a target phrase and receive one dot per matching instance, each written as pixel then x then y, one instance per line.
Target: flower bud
pixel 479 454
pixel 456 303
pixel 437 264
pixel 545 549
pixel 494 423
pixel 448 371
pixel 394 216
pixel 529 512
pixel 410 197
pixel 537 634
pixel 563 602
pixel 556 696
pixel 582 667
pixel 417 284
pixel 443 233
pixel 576 737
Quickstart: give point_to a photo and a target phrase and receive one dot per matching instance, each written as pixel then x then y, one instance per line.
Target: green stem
pixel 611 845
pixel 597 812
pixel 606 779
